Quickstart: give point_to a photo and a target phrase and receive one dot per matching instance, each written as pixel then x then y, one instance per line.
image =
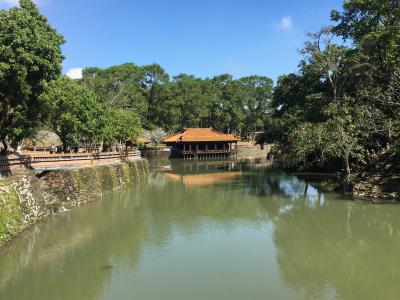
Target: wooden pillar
pixel 236 149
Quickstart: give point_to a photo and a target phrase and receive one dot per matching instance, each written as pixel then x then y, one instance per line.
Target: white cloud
pixel 75 73
pixel 286 23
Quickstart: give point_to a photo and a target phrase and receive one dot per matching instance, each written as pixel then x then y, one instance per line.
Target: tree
pixel 30 56
pixel 373 26
pixel 154 77
pixel 72 111
pixel 166 111
pixel 119 125
pixel 341 111
pixel 336 140
pixel 257 93
pixel 155 136
pixel 188 93
pixel 327 60
pixel 118 86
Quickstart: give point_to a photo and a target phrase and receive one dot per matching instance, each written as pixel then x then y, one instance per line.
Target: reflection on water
pixel 210 231
pixel 194 180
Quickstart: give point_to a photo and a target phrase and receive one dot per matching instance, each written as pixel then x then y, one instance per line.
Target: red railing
pixel 29 160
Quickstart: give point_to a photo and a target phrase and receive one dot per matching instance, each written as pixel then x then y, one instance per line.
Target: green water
pixel 210 232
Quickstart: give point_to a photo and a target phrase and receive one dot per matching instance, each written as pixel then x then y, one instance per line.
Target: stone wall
pixel 378 187
pixel 156 153
pixel 26 199
pixel 253 151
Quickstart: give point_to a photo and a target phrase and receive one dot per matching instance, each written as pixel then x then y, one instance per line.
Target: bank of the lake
pixel 27 198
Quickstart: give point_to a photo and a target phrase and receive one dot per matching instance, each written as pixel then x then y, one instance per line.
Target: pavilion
pixel 202 143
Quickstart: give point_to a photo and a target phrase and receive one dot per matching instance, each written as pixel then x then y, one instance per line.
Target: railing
pixel 201 152
pixel 29 160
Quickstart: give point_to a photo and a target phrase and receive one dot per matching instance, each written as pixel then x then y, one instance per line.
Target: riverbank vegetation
pixel 340 111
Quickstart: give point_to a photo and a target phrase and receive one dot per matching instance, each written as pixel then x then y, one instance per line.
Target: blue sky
pixel 204 37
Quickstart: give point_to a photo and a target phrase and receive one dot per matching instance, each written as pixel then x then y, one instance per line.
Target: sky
pixel 204 37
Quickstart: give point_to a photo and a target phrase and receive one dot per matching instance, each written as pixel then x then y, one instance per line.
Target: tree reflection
pixel 347 246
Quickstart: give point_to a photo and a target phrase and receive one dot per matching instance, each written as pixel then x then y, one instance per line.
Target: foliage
pixel 72 111
pixel 155 136
pixel 30 55
pixel 226 104
pixel 118 86
pixel 119 125
pixel 373 26
pixel 76 115
pixel 341 111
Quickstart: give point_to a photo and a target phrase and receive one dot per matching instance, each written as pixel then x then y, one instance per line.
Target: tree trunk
pixel 4 142
pixel 5 116
pixel 150 102
pixel 347 175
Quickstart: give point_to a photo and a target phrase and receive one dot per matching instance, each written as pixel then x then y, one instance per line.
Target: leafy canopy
pixel 30 56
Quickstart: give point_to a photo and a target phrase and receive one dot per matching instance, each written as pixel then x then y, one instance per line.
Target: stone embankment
pixel 251 151
pixel 378 187
pixel 156 153
pixel 26 199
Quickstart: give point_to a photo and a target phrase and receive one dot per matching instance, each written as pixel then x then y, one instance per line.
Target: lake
pixel 210 230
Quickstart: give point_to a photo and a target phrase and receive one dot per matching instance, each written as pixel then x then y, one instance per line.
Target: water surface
pixel 206 231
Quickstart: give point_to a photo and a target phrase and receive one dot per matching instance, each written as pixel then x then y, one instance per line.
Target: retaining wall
pixel 26 199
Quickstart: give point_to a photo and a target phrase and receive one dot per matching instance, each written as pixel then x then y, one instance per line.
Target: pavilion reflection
pixel 208 179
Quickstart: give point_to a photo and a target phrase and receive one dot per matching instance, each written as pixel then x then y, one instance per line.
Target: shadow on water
pixel 324 245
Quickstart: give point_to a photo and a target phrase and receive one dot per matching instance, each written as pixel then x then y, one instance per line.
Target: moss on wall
pixel 10 215
pixel 23 201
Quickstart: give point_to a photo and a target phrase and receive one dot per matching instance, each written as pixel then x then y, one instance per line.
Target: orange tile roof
pixel 201 135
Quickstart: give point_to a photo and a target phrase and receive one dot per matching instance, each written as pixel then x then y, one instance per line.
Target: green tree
pixel 166 111
pixel 336 140
pixel 374 28
pixel 328 61
pixel 256 97
pixel 118 125
pixel 341 111
pixel 30 56
pixel 193 104
pixel 72 111
pixel 153 78
pixel 118 86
